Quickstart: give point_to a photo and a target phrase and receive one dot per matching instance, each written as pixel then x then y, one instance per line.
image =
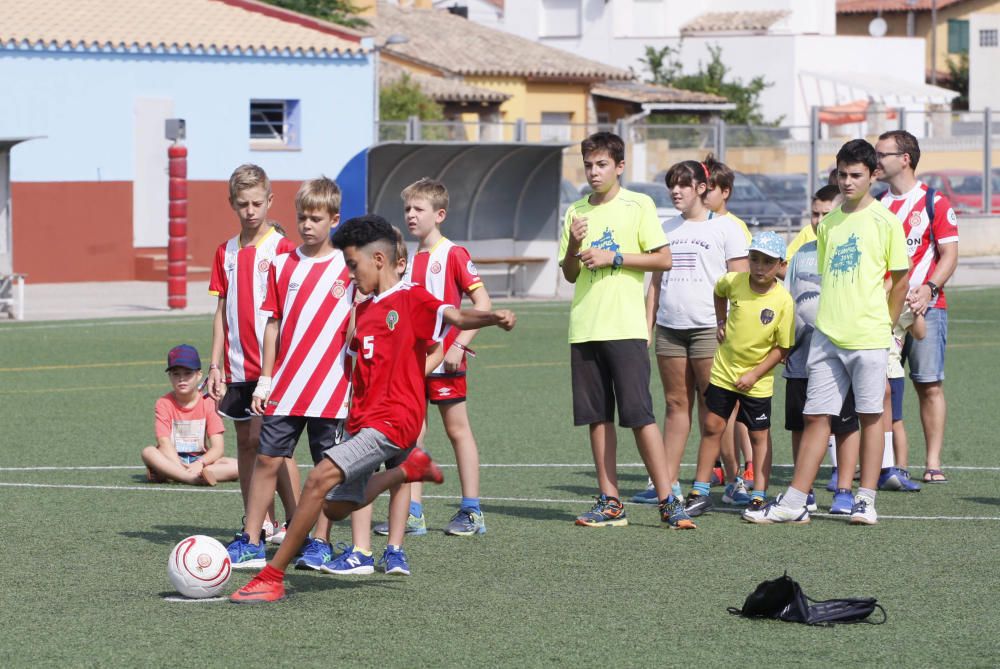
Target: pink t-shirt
pixel 188 428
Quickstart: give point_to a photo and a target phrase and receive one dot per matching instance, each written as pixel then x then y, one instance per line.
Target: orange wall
pixel 82 231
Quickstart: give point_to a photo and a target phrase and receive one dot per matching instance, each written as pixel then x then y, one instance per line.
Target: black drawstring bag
pixel 783 599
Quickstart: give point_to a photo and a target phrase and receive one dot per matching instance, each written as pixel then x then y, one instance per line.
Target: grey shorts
pixel 834 371
pixel 358 457
pixel 696 343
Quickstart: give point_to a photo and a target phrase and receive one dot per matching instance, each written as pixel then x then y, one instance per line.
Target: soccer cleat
pixel 831 485
pixel 350 562
pixel 747 475
pixel 259 590
pixel 843 500
pixel 863 511
pixel 279 534
pixel 245 555
pixel 756 505
pixel 894 478
pixel 419 467
pixel 673 514
pixel 697 504
pixel 647 496
pixel 315 554
pixel 811 502
pixel 718 476
pixel 736 494
pixel 607 512
pixel 393 561
pixel 465 523
pixel 416 526
pixel 773 512
pixel 907 484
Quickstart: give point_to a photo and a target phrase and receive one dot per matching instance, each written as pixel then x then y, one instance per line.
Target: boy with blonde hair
pixel 303 383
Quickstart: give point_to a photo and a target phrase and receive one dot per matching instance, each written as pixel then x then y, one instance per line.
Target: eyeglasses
pixel 880 155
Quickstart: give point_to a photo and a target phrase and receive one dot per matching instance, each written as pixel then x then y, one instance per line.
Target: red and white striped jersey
pixel 447 272
pixel 390 342
pixel 313 298
pixel 240 276
pixel 911 209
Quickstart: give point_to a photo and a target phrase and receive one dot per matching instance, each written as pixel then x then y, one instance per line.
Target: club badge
pixel 435 267
pixel 263 265
pixel 766 316
pixel 391 319
pixel 338 289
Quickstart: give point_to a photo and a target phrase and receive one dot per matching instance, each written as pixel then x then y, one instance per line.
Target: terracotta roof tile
pixel 734 22
pixel 199 25
pixel 440 89
pixel 641 93
pixel 873 6
pixel 455 45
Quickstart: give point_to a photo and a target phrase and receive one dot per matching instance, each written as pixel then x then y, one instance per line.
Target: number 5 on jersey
pixel 368 347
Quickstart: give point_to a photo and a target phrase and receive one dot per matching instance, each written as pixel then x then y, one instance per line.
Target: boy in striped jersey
pixel 239 280
pixel 308 304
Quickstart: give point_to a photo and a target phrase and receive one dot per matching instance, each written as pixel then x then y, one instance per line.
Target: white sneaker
pixel 863 511
pixel 279 535
pixel 267 531
pixel 774 512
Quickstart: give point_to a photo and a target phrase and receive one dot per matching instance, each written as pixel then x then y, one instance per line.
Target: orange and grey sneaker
pixel 673 513
pixel 607 512
pixel 747 475
pixel 259 589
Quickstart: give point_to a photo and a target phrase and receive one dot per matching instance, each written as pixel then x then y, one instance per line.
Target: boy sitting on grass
pixel 186 422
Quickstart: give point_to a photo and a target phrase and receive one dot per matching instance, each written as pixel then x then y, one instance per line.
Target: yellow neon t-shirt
pixel 757 323
pixel 743 225
pixel 806 235
pixel 854 253
pixel 610 304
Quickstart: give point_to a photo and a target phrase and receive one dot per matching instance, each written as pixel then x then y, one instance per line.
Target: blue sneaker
pixel 466 522
pixel 606 512
pixel 416 526
pixel 672 513
pixel 736 494
pixel 393 561
pixel 315 554
pixel 647 496
pixel 245 555
pixel 831 486
pixel 843 500
pixel 894 478
pixel 350 561
pixel 908 485
pixel 811 502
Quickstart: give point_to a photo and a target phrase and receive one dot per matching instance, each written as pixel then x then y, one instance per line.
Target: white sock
pixel 888 455
pixel 793 498
pixel 831 450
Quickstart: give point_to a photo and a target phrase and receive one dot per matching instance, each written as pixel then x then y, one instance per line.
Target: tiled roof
pixel 200 26
pixel 440 89
pixel 873 6
pixel 642 93
pixel 451 44
pixel 713 22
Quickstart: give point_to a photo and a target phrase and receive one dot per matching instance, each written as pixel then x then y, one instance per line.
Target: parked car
pixel 964 188
pixel 753 206
pixel 788 191
pixel 661 197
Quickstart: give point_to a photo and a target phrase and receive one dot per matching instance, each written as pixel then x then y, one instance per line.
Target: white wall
pixel 984 63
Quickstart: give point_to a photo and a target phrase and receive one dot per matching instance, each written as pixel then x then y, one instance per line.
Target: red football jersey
pixel 313 298
pixel 448 273
pixel 240 275
pixel 911 209
pixel 389 346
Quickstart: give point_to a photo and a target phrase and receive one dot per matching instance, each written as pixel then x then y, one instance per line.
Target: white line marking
pixel 172 598
pixel 523 500
pixel 98 323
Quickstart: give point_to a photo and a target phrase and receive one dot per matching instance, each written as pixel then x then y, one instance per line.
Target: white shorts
pixel 833 371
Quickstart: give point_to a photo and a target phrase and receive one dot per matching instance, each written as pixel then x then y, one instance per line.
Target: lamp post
pixel 392 39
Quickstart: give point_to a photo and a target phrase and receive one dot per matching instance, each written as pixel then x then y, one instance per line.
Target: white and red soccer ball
pixel 199 567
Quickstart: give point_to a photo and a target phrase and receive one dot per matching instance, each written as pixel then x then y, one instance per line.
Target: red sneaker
pixel 259 590
pixel 420 467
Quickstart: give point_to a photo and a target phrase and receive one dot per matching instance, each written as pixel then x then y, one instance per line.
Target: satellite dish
pixel 878 27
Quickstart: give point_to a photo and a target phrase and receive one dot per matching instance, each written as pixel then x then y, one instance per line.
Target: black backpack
pixel 783 599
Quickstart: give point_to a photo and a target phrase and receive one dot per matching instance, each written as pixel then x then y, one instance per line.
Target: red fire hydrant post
pixel 177 242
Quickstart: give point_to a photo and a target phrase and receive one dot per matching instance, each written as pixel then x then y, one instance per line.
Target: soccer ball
pixel 199 567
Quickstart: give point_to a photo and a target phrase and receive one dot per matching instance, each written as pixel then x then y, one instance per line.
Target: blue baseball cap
pixel 770 244
pixel 185 356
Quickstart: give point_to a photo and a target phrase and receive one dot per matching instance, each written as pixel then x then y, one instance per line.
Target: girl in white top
pixel 680 301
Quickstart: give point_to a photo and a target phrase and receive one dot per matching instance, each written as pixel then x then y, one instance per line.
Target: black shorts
pixel 795 401
pixel 754 412
pixel 235 404
pixel 608 372
pixel 280 434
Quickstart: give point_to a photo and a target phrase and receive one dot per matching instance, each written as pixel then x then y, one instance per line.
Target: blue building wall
pixel 83 103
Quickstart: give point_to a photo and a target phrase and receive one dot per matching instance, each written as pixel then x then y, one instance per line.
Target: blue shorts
pixel 896 393
pixel 188 458
pixel 926 356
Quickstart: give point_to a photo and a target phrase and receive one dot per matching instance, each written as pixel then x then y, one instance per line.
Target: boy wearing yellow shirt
pixel 754 338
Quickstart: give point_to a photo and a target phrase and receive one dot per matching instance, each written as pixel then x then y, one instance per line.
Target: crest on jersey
pixel 766 316
pixel 338 289
pixel 435 267
pixel 391 319
pixel 263 265
pixel 471 267
pixel 951 216
pixel 915 219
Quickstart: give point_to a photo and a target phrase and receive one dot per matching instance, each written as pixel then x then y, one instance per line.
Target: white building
pixel 984 62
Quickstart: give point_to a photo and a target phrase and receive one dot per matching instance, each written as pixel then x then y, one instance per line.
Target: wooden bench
pixel 12 295
pixel 510 265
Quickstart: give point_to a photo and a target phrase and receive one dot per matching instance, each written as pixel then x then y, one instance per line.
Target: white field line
pixel 523 500
pixel 100 323
pixel 498 465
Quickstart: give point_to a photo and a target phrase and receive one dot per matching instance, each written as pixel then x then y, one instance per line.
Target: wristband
pixel 720 323
pixel 468 351
pixel 213 366
pixel 263 387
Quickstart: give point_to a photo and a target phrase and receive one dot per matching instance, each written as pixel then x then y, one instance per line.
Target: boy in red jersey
pixel 390 342
pixel 309 298
pixel 239 280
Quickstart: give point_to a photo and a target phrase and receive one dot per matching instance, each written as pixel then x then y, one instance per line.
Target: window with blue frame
pixel 275 124
pixel 958 36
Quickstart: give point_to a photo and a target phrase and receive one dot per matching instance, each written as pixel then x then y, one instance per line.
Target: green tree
pixel 403 98
pixel 958 80
pixel 341 12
